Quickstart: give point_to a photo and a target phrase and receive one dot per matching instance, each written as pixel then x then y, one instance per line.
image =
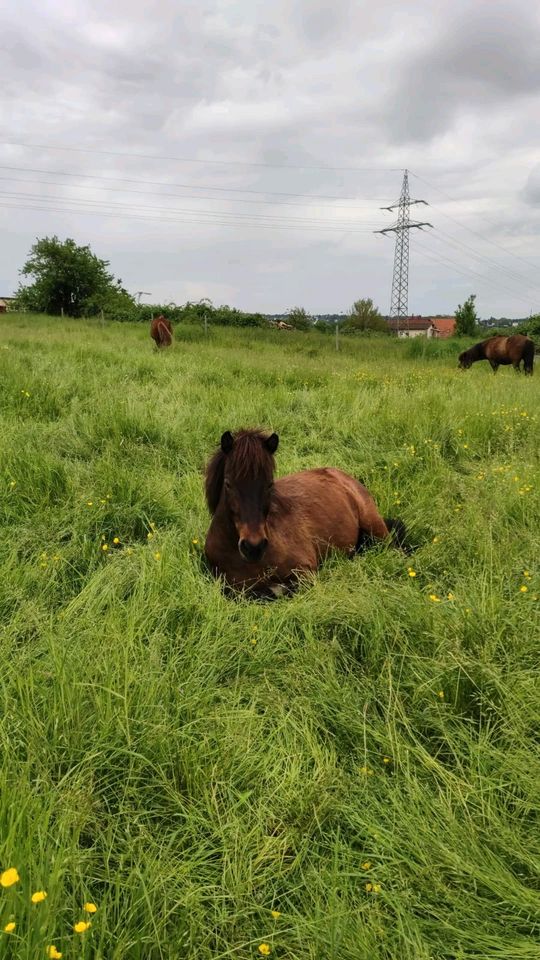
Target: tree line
pixel 62 277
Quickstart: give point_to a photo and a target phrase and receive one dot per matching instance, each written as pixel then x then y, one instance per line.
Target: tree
pixel 364 315
pixel 466 318
pixel 70 278
pixel 299 319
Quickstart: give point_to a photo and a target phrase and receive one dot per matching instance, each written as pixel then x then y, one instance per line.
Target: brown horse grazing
pixel 264 534
pixel 501 351
pixel 161 331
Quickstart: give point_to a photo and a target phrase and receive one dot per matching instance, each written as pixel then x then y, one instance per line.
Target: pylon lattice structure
pixel 399 311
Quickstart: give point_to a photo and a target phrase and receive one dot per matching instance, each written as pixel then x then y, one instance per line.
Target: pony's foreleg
pixel 371 529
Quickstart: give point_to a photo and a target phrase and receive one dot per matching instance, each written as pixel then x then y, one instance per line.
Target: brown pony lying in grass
pixel 501 351
pixel 264 534
pixel 161 331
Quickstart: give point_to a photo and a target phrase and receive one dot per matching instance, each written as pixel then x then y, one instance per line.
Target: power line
pixel 458 244
pixel 153 193
pixel 182 220
pixel 229 163
pixel 465 227
pixel 491 283
pixel 190 186
pixel 151 208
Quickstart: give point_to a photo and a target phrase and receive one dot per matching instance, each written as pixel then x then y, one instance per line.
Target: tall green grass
pixel 362 758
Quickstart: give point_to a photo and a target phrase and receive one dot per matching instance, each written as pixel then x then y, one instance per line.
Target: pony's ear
pixel 271 442
pixel 227 441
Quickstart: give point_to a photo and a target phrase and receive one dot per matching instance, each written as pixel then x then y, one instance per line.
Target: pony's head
pixel 465 360
pixel 242 473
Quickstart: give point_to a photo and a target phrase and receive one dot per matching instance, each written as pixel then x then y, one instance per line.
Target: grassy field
pixel 350 774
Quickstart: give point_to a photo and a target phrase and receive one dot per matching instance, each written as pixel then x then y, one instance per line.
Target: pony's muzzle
pixel 252 551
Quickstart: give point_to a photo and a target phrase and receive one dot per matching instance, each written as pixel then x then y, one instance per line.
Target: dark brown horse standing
pixel 161 331
pixel 501 351
pixel 264 534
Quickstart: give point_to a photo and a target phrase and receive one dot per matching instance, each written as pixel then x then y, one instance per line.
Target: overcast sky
pixel 241 150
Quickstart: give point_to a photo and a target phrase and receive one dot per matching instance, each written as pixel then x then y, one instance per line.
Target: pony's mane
pixel 248 455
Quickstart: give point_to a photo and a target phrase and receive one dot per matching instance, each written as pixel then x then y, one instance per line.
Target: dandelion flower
pixel 264 948
pixel 411 572
pixel 82 926
pixel 90 908
pixel 53 953
pixel 434 598
pixel 195 541
pixel 104 547
pixel 367 865
pixel 9 877
pixel 39 896
pixel 116 540
pixel 275 914
pixel 523 588
pixel 9 927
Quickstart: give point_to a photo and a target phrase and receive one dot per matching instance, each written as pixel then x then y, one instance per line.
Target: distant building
pixel 445 327
pixel 4 304
pixel 432 327
pixel 412 327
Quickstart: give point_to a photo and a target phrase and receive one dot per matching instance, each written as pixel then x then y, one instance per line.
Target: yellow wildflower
pixel 9 927
pixel 527 574
pixel 157 556
pixel 129 551
pixel 116 540
pixel 90 908
pixel 149 536
pixel 366 771
pixel 82 926
pixel 411 572
pixel 376 888
pixel 450 596
pixel 13 483
pixel 440 694
pixel 523 588
pixel 434 598
pixel 436 540
pixel 275 913
pixel 369 887
pixel 39 896
pixel 264 949
pixel 195 540
pixel 104 547
pixel 9 877
pixel 53 953
pixel 367 865
pixel 89 503
pixel 386 760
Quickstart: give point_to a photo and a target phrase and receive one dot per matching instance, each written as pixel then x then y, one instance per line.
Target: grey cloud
pixel 447 89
